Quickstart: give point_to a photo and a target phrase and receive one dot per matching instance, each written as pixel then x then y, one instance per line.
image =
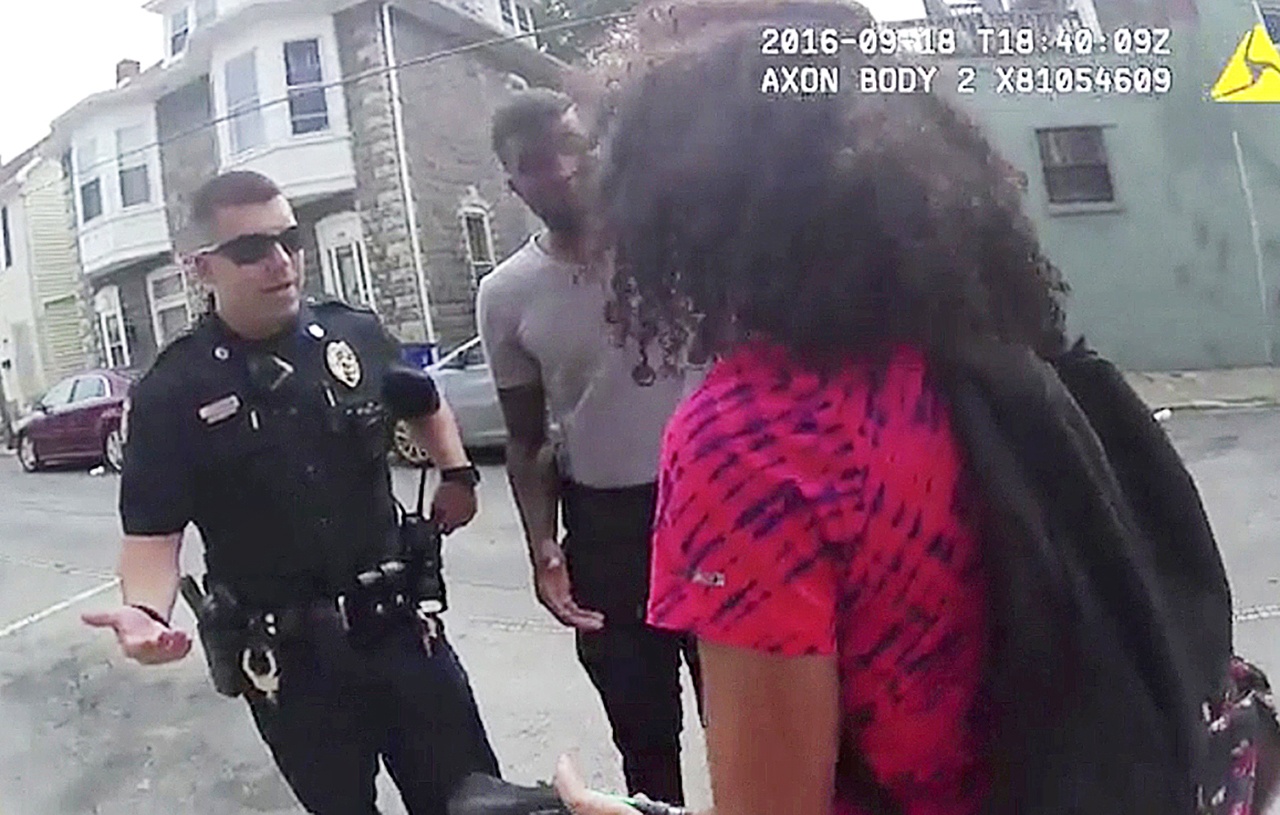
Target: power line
pixel 343 81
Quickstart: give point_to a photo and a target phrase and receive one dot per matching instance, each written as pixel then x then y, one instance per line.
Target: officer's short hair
pixel 232 189
pixel 527 114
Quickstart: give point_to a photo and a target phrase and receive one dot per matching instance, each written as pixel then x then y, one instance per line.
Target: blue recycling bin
pixel 419 354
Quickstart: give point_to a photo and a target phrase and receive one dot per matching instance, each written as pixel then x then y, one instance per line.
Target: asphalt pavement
pixel 85 731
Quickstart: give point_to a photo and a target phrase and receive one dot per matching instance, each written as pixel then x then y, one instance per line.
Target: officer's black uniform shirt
pixel 284 473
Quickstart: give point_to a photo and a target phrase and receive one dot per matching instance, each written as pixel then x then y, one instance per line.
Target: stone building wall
pixel 447 107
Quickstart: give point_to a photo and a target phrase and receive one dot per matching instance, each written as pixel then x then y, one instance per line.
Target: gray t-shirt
pixel 539 324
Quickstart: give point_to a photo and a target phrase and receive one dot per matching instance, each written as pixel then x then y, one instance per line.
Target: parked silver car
pixel 465 381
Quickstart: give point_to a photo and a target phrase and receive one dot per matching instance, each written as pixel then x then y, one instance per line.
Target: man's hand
pixel 551 582
pixel 453 505
pixel 583 801
pixel 141 638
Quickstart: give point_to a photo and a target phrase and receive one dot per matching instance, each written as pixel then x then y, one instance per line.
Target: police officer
pixel 268 426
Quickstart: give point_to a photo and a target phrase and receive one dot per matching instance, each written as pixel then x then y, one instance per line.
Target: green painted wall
pixel 1169 279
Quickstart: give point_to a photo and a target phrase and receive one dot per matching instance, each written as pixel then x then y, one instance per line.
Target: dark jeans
pixel 339 710
pixel 634 667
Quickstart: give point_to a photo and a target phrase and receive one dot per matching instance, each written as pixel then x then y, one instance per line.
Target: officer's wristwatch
pixel 467 474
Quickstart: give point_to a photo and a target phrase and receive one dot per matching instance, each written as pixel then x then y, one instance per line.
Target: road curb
pixel 1195 405
pixel 1219 389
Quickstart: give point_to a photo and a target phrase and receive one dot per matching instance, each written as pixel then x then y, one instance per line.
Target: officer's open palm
pixel 555 591
pixel 141 638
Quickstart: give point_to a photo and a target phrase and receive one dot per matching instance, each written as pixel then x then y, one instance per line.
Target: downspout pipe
pixel 406 189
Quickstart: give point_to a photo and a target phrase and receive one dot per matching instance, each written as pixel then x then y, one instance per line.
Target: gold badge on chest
pixel 343 363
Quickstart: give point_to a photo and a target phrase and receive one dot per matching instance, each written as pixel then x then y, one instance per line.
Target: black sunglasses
pixel 247 249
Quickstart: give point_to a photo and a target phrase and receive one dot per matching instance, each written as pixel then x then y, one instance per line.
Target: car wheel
pixel 27 455
pixel 407 450
pixel 113 450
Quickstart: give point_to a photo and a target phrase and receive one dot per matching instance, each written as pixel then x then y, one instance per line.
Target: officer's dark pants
pixel 339 710
pixel 634 667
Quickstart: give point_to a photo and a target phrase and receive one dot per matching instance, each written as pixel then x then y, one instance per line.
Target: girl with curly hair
pixel 818 529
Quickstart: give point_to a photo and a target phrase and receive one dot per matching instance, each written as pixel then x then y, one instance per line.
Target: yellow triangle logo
pixel 1253 73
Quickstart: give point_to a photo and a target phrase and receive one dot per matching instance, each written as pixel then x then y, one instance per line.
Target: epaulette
pixel 326 303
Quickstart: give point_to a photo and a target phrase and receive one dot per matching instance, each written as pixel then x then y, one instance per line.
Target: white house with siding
pixel 43 335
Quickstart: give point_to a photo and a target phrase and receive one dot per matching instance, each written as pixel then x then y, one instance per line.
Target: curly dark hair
pixel 838 225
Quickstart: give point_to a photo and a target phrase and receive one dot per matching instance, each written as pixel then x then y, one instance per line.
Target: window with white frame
pixel 1074 160
pixel 179 30
pixel 135 183
pixel 90 187
pixel 507 7
pixel 308 108
pixel 241 91
pixel 479 238
pixel 524 16
pixel 170 306
pixel 344 265
pixel 90 200
pixel 115 343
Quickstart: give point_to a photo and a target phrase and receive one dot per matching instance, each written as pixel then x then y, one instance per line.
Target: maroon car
pixel 78 420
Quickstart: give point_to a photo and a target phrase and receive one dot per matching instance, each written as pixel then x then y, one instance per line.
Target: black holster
pixel 222 650
pixel 223 628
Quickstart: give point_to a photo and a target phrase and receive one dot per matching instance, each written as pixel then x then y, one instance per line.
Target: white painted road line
pixel 1255 613
pixel 1244 615
pixel 54 566
pixel 15 627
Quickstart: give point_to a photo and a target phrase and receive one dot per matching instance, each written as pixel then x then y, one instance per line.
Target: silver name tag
pixel 220 410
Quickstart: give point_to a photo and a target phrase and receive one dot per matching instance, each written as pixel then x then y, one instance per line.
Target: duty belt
pixel 241 644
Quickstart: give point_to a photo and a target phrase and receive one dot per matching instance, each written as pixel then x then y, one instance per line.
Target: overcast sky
pixel 53 53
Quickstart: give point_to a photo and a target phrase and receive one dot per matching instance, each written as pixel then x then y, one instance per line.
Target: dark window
pixel 508 13
pixel 6 237
pixel 308 108
pixel 478 237
pixel 1075 165
pixel 1271 19
pixel 90 200
pixel 479 242
pixel 178 30
pixel 135 187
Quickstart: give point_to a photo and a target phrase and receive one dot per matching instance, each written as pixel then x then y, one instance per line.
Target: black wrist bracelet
pixel 467 474
pixel 151 612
